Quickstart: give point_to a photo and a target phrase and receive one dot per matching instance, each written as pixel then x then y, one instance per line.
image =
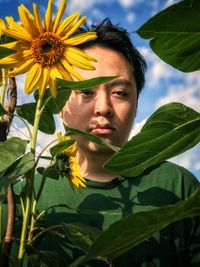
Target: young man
pixel 109 111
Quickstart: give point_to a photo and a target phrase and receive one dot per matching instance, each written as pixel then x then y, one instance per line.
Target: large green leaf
pixel 174 35
pixel 83 85
pixel 46 124
pixel 80 234
pixel 2 110
pixel 18 168
pixel 10 151
pixel 91 137
pixel 171 130
pixel 134 229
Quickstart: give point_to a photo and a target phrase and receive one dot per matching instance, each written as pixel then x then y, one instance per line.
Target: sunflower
pixel 70 166
pixel 46 50
pixel 2 27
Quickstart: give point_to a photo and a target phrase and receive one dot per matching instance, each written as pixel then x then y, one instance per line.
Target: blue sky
pixel 163 83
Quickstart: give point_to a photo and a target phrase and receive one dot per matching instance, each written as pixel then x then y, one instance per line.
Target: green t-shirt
pixel 102 203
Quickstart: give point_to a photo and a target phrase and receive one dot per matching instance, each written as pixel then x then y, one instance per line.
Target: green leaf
pixel 10 151
pixel 171 130
pixel 4 52
pixel 80 234
pixel 174 35
pixel 2 110
pixel 50 171
pixel 91 137
pixel 84 85
pixel 60 147
pixel 56 104
pixel 43 258
pixel 46 124
pixel 18 168
pixel 134 229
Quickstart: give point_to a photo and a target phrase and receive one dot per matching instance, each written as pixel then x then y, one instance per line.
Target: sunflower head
pixel 47 49
pixel 67 165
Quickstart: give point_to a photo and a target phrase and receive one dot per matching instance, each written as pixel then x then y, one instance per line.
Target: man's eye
pixel 87 93
pixel 121 93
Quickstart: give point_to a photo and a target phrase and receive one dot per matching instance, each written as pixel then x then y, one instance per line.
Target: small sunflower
pixel 46 50
pixel 68 164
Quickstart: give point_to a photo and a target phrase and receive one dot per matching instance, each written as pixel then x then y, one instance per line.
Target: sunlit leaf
pixel 46 124
pixel 18 168
pixel 137 227
pixel 10 151
pixel 91 137
pixel 60 146
pixel 174 35
pixel 84 85
pixel 171 130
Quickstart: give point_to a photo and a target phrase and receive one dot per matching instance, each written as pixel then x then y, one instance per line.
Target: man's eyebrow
pixel 120 82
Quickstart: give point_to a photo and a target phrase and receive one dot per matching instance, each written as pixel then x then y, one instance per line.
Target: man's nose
pixel 103 105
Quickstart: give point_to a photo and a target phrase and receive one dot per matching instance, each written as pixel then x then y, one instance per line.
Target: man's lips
pixel 102 129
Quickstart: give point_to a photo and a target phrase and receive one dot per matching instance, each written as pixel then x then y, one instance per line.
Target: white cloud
pixel 130 17
pixel 137 128
pixel 157 69
pixel 129 3
pixel 185 92
pixel 189 159
pixel 80 6
pixel 171 2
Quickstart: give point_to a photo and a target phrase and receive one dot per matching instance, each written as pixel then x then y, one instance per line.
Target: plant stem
pixel 3 90
pixel 30 185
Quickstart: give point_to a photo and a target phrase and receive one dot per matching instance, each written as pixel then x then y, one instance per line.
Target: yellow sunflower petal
pixel 74 51
pixel 52 87
pixel 38 19
pixel 67 24
pixel 75 27
pixel 79 61
pixel 2 26
pixel 17 46
pixel 44 82
pixel 12 61
pixel 25 67
pixel 54 73
pixel 64 73
pixel 48 17
pixel 80 38
pixel 71 70
pixel 27 20
pixel 33 78
pixel 18 33
pixel 59 15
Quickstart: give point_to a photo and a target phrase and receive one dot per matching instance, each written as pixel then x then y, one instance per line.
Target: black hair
pixel 117 38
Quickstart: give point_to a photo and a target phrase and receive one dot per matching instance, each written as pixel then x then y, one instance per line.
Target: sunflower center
pixel 48 49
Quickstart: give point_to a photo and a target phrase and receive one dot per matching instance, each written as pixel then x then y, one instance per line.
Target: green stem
pixel 30 186
pixel 25 124
pixel 3 90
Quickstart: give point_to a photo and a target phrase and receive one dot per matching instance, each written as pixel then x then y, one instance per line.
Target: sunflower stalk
pixel 3 90
pixel 30 188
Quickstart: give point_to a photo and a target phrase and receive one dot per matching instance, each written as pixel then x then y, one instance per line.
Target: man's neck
pixel 91 167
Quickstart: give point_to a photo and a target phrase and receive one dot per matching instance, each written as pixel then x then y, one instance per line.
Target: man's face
pixel 109 109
